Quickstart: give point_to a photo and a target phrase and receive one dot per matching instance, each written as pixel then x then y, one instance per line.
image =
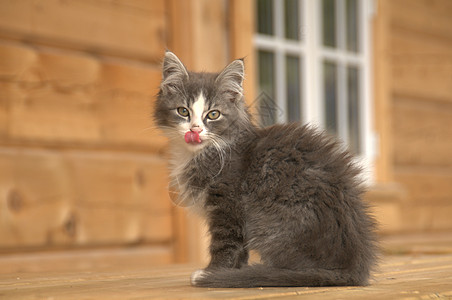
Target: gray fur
pixel 290 192
pixel 174 73
pixel 230 80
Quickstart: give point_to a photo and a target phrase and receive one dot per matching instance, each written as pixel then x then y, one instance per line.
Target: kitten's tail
pixel 264 276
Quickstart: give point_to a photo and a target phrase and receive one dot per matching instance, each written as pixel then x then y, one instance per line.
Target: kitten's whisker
pixel 219 144
pixel 151 128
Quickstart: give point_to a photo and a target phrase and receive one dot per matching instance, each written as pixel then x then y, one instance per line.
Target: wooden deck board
pixel 128 274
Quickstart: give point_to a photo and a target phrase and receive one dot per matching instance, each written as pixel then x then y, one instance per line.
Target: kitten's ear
pixel 230 80
pixel 174 72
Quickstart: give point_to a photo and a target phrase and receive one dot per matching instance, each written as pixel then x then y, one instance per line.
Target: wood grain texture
pixel 134 30
pixel 241 33
pixel 419 56
pixel 62 97
pixel 54 198
pixel 127 274
pixel 81 162
pixel 421 65
pixel 418 16
pixel 422 133
pixel 382 91
pixel 386 201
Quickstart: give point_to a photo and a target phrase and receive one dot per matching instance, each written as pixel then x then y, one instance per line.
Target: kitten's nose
pixel 196 129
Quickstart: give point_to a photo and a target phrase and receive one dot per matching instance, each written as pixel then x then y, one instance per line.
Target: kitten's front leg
pixel 226 226
pixel 226 255
pixel 227 245
pixel 221 259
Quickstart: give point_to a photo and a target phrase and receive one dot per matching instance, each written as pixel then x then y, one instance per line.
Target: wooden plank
pixel 241 32
pixel 16 60
pixel 105 27
pixel 422 132
pixel 180 19
pixel 421 72
pixel 67 70
pixel 210 35
pixel 63 97
pixel 425 217
pixel 426 185
pixel 142 5
pixel 41 114
pixel 138 78
pixel 22 277
pixel 80 198
pixel 382 91
pixel 385 200
pixel 83 260
pixel 388 216
pixel 198 33
pixel 417 243
pixel 428 203
pixel 421 67
pixel 125 106
pixel 431 18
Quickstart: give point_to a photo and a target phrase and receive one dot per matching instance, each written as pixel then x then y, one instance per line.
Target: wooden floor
pixel 413 269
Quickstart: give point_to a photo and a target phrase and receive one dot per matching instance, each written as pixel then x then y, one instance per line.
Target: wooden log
pixel 61 97
pixel 382 91
pixel 136 30
pixel 422 132
pixel 241 32
pixel 16 59
pixel 427 185
pixel 67 71
pixel 81 198
pixel 421 66
pixel 429 18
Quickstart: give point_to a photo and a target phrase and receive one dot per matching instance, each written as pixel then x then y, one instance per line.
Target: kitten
pixel 290 192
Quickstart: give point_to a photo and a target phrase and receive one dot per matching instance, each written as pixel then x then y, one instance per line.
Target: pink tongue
pixel 192 137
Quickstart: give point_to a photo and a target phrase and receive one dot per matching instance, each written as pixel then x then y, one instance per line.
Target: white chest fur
pixel 182 194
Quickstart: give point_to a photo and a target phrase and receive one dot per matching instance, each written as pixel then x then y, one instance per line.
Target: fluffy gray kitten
pixel 290 192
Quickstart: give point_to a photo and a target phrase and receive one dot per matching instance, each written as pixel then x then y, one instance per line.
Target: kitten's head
pixel 200 109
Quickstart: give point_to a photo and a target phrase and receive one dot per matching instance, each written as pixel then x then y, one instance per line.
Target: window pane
pixel 293 88
pixel 264 17
pixel 329 22
pixel 266 105
pixel 353 109
pixel 352 25
pixel 292 22
pixel 330 96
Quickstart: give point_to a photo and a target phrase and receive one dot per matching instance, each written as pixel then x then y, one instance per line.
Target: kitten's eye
pixel 183 111
pixel 213 115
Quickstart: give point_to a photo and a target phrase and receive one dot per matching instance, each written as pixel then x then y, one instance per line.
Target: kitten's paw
pixel 196 276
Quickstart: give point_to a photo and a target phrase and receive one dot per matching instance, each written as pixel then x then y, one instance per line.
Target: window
pixel 313 60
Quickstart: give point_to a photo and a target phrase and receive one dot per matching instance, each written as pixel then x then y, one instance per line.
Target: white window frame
pixel 312 55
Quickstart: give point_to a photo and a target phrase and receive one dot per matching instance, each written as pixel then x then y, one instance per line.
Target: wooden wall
pixel 414 109
pixel 80 163
pixel 82 166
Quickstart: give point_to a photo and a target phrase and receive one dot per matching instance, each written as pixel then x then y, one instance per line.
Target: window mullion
pixel 341 59
pixel 280 83
pixel 279 19
pixel 342 97
pixel 280 76
pixel 340 26
pixel 368 146
pixel 313 91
